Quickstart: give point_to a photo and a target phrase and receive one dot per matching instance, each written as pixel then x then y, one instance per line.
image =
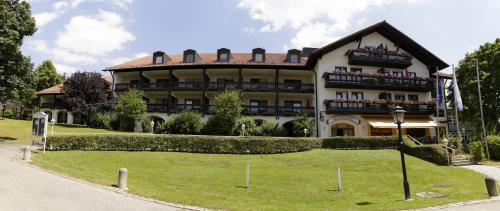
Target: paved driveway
pixel 23 187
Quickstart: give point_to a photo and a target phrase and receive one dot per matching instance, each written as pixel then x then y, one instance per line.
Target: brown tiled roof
pixel 57 88
pixel 209 59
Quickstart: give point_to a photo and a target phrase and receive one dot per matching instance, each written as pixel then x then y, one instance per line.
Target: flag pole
pixel 481 109
pixel 437 104
pixel 456 105
pixel 447 128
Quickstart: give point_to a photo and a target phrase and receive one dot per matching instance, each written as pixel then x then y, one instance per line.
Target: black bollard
pixel 491 186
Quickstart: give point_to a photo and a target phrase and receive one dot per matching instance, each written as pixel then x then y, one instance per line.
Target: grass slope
pixel 372 180
pixel 19 131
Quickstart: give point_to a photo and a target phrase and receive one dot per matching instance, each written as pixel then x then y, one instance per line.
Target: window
pixel 294 58
pixel 258 105
pixel 259 57
pixel 190 58
pixel 192 104
pixel 399 97
pixel 398 74
pixel 292 84
pixel 356 70
pixel 342 130
pixel 413 97
pixel 359 97
pixel 341 69
pixel 193 82
pixel 293 106
pixel 227 83
pixel 341 96
pixel 357 78
pixel 385 96
pixel 412 74
pixel 159 60
pixel 223 57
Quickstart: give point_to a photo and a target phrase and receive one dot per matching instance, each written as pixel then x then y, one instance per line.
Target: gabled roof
pixel 57 88
pixel 391 33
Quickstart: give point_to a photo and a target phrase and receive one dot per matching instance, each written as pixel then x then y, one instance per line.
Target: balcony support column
pixel 276 86
pixel 169 90
pixel 203 91
pixel 240 78
pixel 140 79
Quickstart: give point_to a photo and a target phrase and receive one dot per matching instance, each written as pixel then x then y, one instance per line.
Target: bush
pixel 183 143
pixel 494 147
pixel 146 124
pixel 186 122
pixel 126 123
pixel 268 128
pixel 130 108
pixel 476 149
pixel 374 142
pixel 434 153
pixel 99 120
pixel 114 123
pixel 251 128
pixel 164 127
pixel 227 110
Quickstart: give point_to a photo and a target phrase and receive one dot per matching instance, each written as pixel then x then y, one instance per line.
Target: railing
pixel 156 107
pixel 292 111
pixel 258 86
pixel 378 58
pixel 187 85
pixel 334 80
pixel 185 107
pixel 292 87
pixel 216 86
pixel 259 110
pixel 126 86
pixel 155 86
pixel 376 108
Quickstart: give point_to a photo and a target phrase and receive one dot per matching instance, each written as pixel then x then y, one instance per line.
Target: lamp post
pixel 398 116
pixel 52 122
pixel 305 132
pixel 152 126
pixel 243 129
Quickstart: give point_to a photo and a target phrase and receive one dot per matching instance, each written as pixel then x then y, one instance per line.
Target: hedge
pixel 183 143
pixel 374 142
pixel 434 153
pixel 494 147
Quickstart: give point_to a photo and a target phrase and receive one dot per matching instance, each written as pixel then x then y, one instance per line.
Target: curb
pixel 465 203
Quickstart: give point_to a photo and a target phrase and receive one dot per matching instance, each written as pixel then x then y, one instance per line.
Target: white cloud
pixel 61 5
pixel 62 69
pixel 94 35
pixel 121 60
pixel 316 22
pixel 70 57
pixel 39 46
pixel 44 18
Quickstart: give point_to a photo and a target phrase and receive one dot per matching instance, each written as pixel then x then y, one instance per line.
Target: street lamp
pixel 243 129
pixel 399 118
pixel 152 126
pixel 305 132
pixel 53 122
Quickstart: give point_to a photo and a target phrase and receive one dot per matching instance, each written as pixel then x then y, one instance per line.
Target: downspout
pixel 316 109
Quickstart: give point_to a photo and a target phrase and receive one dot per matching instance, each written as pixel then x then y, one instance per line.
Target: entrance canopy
pixel 409 123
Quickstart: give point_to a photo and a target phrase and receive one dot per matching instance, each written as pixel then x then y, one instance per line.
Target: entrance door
pixel 416 132
pixel 342 130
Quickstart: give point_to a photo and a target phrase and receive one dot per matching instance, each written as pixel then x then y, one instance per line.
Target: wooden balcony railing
pixel 379 82
pixel 377 108
pixel 293 111
pixel 221 86
pixel 259 110
pixel 187 86
pixel 378 58
pixel 291 87
pixel 258 87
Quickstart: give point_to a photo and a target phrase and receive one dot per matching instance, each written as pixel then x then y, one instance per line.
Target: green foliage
pixel 146 123
pixel 183 143
pixel 488 55
pixel 268 128
pixel 476 149
pixel 164 127
pixel 251 128
pixel 186 122
pixel 130 107
pixel 430 152
pixel 374 142
pixel 302 122
pixel 99 120
pixel 46 76
pixel 227 110
pixel 494 147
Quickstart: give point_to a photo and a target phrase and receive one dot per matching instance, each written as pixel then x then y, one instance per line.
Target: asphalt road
pixel 23 187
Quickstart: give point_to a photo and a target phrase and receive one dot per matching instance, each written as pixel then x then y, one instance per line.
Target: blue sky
pixel 89 35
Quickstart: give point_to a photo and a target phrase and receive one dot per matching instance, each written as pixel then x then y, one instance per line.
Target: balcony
pixel 187 86
pixel 154 107
pixel 296 88
pixel 258 87
pixel 375 108
pixel 175 108
pixel 378 58
pixel 377 82
pixel 294 111
pixel 126 86
pixel 221 86
pixel 159 86
pixel 259 110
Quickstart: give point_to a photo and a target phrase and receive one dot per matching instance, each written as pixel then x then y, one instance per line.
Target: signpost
pixel 39 129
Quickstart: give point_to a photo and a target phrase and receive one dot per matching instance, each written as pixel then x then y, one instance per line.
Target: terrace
pixel 378 58
pixel 377 81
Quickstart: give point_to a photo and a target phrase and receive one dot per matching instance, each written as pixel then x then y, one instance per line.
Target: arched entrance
pixel 288 128
pixel 342 129
pixel 157 120
pixel 62 116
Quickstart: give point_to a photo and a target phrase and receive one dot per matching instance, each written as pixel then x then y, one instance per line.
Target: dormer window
pixel 293 56
pixel 159 60
pixel 159 57
pixel 189 56
pixel 223 55
pixel 259 55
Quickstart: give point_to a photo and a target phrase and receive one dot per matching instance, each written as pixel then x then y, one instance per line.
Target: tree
pixel 130 108
pixel 186 122
pixel 302 122
pixel 489 66
pixel 227 109
pixel 46 76
pixel 15 69
pixel 87 93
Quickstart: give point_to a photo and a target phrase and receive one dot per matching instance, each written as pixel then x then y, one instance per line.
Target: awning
pixel 409 123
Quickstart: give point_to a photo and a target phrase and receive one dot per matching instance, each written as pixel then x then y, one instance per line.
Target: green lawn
pixel 19 131
pixel 372 179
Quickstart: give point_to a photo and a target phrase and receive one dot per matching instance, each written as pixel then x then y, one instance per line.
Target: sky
pixel 90 35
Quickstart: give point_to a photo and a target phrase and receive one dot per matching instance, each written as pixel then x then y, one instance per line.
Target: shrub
pixel 130 107
pixel 268 128
pixel 183 143
pixel 302 122
pixel 374 142
pixel 164 127
pixel 114 123
pixel 434 153
pixel 476 149
pixel 146 124
pixel 251 128
pixel 227 109
pixel 186 122
pixel 494 147
pixel 99 120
